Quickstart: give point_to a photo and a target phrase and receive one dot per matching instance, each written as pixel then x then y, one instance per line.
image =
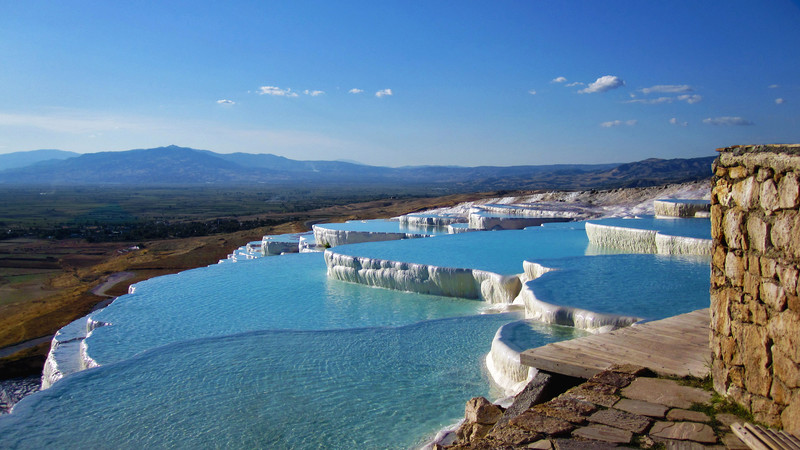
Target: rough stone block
pixel 719 374
pixel 789 191
pixel 515 436
pixel 751 284
pixel 734 268
pixel 604 433
pixel 616 379
pixel 793 302
pixel 773 295
pixel 737 172
pixel 784 233
pixel 684 431
pixel 481 410
pixel 758 313
pixel 684 415
pixel 736 376
pixel 720 312
pixel 665 392
pixel 790 417
pixel 768 266
pixel 766 411
pixel 716 221
pixel 784 368
pixel 757 233
pixel 784 328
pixel 574 444
pixel 621 419
pixel 718 257
pixel 779 393
pixel 788 277
pixel 745 193
pixel 756 358
pixel 732 222
pixel 768 196
pixel 642 408
pixel 728 348
pixel 539 423
pixel 764 174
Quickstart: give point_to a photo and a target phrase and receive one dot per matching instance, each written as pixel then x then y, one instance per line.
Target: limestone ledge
pixel 645 241
pixel 422 278
pixel 677 208
pixel 334 238
pixel 485 222
pixel 423 221
pixel 503 360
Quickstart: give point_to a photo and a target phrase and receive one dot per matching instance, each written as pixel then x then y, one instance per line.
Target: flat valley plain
pixel 59 244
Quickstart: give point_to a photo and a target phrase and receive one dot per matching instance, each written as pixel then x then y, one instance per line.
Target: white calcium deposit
pixel 645 241
pixel 327 237
pixel 424 279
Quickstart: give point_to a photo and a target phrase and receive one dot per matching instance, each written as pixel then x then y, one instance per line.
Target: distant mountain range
pixel 174 165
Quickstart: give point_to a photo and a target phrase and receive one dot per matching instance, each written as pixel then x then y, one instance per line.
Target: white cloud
pixel 532 92
pixel 674 121
pixel 226 102
pixel 652 101
pixel 313 93
pixel 690 98
pixel 603 84
pixel 668 89
pixel 774 86
pixel 276 91
pixel 355 91
pixel 727 121
pixel 559 80
pixel 576 83
pixel 383 93
pixel 779 101
pixel 616 123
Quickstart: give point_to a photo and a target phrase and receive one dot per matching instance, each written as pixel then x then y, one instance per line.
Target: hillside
pixel 165 166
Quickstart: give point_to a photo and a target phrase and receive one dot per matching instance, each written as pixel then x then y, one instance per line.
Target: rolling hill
pixel 175 165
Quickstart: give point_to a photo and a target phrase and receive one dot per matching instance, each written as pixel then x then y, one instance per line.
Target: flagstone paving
pixel 625 406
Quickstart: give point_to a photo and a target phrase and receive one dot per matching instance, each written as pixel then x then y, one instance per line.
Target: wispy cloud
pixel 779 101
pixel 575 83
pixel 674 121
pixel 603 84
pixel 558 80
pixel 355 91
pixel 384 93
pixel 226 102
pixel 688 98
pixel 532 92
pixel 276 91
pixel 616 123
pixel 668 89
pixel 774 86
pixel 313 93
pixel 728 121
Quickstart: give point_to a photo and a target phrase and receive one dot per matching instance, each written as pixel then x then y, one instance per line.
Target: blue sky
pixel 402 82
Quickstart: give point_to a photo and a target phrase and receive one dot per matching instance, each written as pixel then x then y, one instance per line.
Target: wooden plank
pixel 675 346
pixel 747 437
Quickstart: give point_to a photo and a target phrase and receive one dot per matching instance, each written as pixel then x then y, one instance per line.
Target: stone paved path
pixel 623 406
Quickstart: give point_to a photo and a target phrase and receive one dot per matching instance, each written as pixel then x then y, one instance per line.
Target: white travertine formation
pixel 503 360
pixel 64 355
pixel 678 208
pixel 569 316
pixel 645 241
pixel 270 247
pixel 424 279
pixel 327 237
pixel 429 220
pixel 483 221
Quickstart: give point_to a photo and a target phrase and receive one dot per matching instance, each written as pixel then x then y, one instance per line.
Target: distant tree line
pixel 137 231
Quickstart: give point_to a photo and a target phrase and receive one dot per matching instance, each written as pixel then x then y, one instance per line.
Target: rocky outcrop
pixel 755 308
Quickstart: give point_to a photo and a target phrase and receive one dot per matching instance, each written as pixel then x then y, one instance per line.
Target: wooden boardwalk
pixel 676 346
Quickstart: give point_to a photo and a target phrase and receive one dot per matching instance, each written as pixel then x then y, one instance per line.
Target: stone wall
pixel 755 311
